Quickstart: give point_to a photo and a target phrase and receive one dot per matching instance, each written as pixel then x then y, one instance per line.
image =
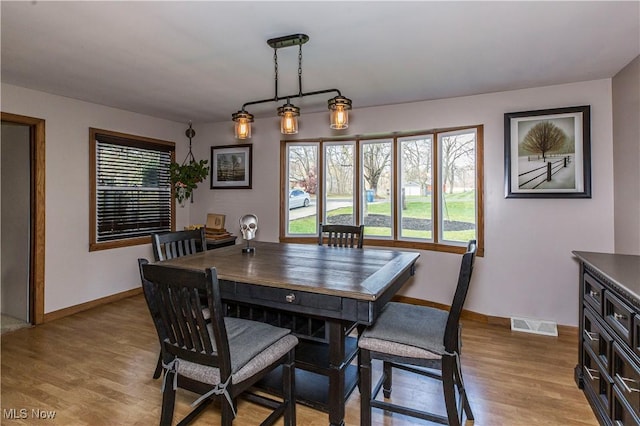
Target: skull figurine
pixel 248 226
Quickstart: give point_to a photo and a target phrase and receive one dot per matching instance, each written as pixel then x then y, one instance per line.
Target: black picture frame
pixel 565 133
pixel 231 166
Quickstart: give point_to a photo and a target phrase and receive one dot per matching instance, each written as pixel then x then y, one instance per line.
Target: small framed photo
pixel 231 166
pixel 547 153
pixel 215 221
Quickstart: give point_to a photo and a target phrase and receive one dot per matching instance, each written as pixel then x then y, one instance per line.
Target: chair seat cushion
pixel 263 359
pixel 407 330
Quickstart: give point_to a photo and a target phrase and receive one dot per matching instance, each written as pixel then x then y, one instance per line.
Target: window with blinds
pixel 131 189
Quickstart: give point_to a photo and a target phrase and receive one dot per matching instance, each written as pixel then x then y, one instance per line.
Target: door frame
pixel 37 203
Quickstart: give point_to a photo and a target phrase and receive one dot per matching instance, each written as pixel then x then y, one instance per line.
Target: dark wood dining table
pixel 332 286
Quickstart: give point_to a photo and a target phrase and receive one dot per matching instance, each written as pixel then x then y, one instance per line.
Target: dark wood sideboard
pixel 222 242
pixel 608 368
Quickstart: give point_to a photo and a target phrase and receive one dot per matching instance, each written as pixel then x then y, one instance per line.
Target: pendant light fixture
pixel 338 105
pixel 243 124
pixel 289 120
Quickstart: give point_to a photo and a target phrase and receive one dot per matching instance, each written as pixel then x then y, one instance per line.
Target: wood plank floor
pixel 94 368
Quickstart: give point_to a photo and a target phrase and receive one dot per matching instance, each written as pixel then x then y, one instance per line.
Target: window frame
pixel 126 140
pixel 437 243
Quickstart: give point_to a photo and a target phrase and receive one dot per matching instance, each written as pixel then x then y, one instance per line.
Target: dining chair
pixel 178 243
pixel 341 235
pixel 218 359
pixel 421 340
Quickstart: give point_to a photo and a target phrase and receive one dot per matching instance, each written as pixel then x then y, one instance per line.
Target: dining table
pixel 323 294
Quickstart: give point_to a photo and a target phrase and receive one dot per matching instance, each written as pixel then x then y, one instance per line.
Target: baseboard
pixel 475 316
pixel 61 313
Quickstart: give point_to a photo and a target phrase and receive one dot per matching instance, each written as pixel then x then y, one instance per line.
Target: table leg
pixel 336 374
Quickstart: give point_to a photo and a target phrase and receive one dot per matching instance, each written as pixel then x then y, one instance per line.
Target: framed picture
pixel 231 166
pixel 547 153
pixel 215 221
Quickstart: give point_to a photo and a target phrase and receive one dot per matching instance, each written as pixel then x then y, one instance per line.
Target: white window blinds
pixel 133 189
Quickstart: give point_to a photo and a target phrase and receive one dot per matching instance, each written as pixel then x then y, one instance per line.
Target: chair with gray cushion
pixel 421 340
pixel 178 243
pixel 219 359
pixel 341 235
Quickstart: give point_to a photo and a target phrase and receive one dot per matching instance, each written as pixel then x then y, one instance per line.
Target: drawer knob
pixel 593 337
pixel 619 317
pixel 290 298
pixel 594 293
pixel 624 381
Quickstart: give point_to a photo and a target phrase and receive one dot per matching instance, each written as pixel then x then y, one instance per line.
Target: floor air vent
pixel 526 325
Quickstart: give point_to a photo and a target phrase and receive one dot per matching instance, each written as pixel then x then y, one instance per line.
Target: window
pixel 131 192
pixel 419 190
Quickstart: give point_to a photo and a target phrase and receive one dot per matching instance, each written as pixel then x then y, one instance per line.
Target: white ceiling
pixel 201 61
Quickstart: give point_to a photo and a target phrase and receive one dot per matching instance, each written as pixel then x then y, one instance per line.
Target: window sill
pixel 397 244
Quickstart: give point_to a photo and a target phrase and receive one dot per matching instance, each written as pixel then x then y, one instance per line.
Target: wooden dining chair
pixel 218 359
pixel 341 235
pixel 178 243
pixel 421 340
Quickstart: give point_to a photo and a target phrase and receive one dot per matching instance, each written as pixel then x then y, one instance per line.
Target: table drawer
pixel 282 297
pixel 626 377
pixel 595 378
pixel 619 316
pixel 595 336
pixel 593 292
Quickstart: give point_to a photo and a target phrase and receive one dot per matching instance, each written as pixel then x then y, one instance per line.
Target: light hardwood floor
pixel 94 368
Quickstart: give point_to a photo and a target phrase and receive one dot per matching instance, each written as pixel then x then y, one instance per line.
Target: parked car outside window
pixel 298 198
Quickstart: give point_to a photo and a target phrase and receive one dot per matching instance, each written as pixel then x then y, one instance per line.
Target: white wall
pixel 73 275
pixel 528 269
pixel 626 157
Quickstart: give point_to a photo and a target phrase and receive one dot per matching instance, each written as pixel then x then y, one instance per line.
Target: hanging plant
pixel 185 177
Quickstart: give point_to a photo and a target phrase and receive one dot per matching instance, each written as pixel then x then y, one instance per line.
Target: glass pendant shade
pixel 339 112
pixel 243 122
pixel 289 119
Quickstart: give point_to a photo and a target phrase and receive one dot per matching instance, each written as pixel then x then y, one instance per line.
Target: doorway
pixel 22 233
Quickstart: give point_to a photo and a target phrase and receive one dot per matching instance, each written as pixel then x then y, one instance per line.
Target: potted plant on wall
pixel 185 177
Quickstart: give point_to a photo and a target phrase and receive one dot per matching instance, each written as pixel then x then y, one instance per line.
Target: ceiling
pixel 201 61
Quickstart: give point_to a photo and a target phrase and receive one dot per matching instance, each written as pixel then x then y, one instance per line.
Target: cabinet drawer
pixel 626 377
pixel 619 316
pixel 593 292
pixel 594 378
pixel 621 413
pixel 595 336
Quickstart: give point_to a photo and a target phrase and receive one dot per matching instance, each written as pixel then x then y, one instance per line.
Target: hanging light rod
pixel 338 105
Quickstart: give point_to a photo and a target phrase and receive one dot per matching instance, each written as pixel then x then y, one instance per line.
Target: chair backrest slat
pixel 341 235
pixel 451 340
pixel 174 299
pixel 178 244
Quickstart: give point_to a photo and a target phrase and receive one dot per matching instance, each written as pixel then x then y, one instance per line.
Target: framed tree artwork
pixel 547 153
pixel 231 166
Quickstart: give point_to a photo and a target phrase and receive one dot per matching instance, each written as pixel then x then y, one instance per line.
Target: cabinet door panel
pixel 593 292
pixel 595 378
pixel 597 338
pixel 621 413
pixel 619 316
pixel 626 376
